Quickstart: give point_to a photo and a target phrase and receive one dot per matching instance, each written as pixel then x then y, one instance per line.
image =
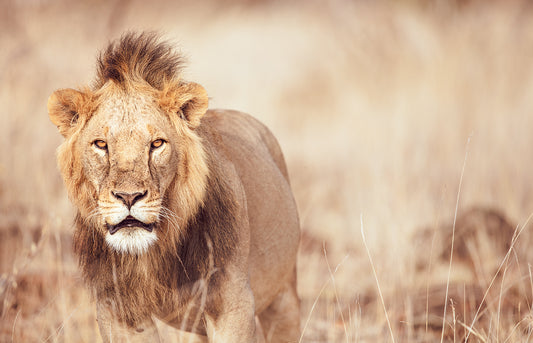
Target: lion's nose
pixel 129 199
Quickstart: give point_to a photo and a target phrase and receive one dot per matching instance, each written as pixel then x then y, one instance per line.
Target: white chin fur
pixel 131 241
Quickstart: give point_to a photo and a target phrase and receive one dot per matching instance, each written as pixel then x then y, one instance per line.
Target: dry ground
pixel 390 114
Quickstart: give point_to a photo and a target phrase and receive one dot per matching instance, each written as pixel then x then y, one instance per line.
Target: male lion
pixel 183 214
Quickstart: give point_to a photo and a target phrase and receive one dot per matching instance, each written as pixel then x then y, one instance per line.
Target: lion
pixel 183 214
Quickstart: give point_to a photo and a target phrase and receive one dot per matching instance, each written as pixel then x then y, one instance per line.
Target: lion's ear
pixel 64 107
pixel 188 100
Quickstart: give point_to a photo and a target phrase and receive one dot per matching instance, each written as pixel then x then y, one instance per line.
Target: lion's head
pixel 130 141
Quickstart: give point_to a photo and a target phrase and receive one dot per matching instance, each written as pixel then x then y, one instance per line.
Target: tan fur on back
pixel 204 216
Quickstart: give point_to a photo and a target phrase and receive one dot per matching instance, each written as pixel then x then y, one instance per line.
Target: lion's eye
pixel 157 143
pixel 100 144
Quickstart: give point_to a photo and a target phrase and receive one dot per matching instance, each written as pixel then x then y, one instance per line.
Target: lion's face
pixel 130 156
pixel 123 155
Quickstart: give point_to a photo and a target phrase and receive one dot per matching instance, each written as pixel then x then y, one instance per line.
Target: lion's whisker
pixel 171 217
pixel 95 211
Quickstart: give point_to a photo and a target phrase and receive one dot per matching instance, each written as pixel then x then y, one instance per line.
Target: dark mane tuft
pixel 138 56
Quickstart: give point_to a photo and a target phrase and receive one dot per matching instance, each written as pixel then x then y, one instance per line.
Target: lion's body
pixel 183 214
pixel 253 152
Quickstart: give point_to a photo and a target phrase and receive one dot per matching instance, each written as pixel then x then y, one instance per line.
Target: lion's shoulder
pixel 239 135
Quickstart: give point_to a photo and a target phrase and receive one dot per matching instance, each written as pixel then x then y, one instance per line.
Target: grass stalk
pixel 453 239
pixel 377 281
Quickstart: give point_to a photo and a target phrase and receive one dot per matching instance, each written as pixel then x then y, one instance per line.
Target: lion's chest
pixel 184 307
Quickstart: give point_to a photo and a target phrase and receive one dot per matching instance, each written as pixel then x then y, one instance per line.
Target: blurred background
pixel 390 114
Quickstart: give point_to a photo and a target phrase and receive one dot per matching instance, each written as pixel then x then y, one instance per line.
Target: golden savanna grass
pixel 392 115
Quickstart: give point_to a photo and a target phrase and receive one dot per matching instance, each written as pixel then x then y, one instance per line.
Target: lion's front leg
pixel 235 320
pixel 113 330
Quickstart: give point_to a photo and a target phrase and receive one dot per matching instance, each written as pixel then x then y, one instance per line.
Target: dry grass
pixel 373 103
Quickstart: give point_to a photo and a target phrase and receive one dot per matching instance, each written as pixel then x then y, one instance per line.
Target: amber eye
pixel 100 144
pixel 157 143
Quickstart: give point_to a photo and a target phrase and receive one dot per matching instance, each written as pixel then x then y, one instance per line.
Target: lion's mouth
pixel 129 222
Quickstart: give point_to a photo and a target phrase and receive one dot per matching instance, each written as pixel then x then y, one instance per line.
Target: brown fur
pixel 138 57
pixel 212 254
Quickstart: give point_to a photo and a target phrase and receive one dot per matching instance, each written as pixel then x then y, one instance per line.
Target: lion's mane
pixel 183 257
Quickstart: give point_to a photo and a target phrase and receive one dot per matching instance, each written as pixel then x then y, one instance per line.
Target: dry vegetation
pixel 382 108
